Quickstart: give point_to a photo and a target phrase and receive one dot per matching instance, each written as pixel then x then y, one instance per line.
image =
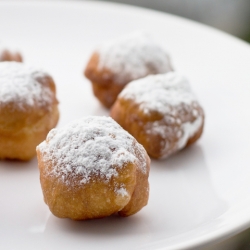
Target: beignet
pixel 28 109
pixel 161 112
pixel 92 168
pixel 115 64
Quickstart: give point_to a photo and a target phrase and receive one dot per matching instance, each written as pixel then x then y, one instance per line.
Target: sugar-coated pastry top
pixel 171 96
pixel 23 86
pixel 159 92
pixel 132 57
pixel 91 146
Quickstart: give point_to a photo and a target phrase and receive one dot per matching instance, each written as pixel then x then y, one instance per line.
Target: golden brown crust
pixel 19 140
pixel 104 81
pixel 93 200
pixel 140 194
pixel 105 88
pixel 103 76
pixel 129 115
pixel 96 199
pixel 7 55
pixel 125 193
pixel 21 130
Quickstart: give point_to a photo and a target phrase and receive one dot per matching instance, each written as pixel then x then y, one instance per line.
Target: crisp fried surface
pixel 128 114
pixel 97 198
pixel 103 83
pixel 19 141
pixel 22 130
pixel 140 194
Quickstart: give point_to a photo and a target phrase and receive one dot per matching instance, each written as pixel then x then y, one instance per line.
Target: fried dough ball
pixel 8 55
pixel 92 168
pixel 117 63
pixel 161 112
pixel 28 109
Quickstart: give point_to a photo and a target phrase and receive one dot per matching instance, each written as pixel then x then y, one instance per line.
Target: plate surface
pixel 198 196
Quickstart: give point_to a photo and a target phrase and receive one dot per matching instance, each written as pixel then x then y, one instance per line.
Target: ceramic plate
pixel 198 196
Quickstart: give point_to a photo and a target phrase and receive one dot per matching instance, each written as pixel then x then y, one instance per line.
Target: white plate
pixel 199 196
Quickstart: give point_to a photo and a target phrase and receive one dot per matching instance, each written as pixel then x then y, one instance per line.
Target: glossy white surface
pixel 200 195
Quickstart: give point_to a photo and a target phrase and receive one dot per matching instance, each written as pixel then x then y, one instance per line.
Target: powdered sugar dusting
pixel 160 92
pixel 189 129
pixel 122 192
pixel 169 95
pixel 19 86
pixel 132 57
pixel 91 146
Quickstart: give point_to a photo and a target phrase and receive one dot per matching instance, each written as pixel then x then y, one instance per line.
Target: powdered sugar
pixel 19 86
pixel 91 146
pixel 122 192
pixel 170 96
pixel 189 129
pixel 160 92
pixel 132 57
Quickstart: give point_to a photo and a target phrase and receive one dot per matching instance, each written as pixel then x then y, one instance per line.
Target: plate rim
pixel 212 237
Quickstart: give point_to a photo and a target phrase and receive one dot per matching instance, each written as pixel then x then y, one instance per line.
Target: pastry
pixel 161 112
pixel 92 168
pixel 8 55
pixel 28 109
pixel 115 64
